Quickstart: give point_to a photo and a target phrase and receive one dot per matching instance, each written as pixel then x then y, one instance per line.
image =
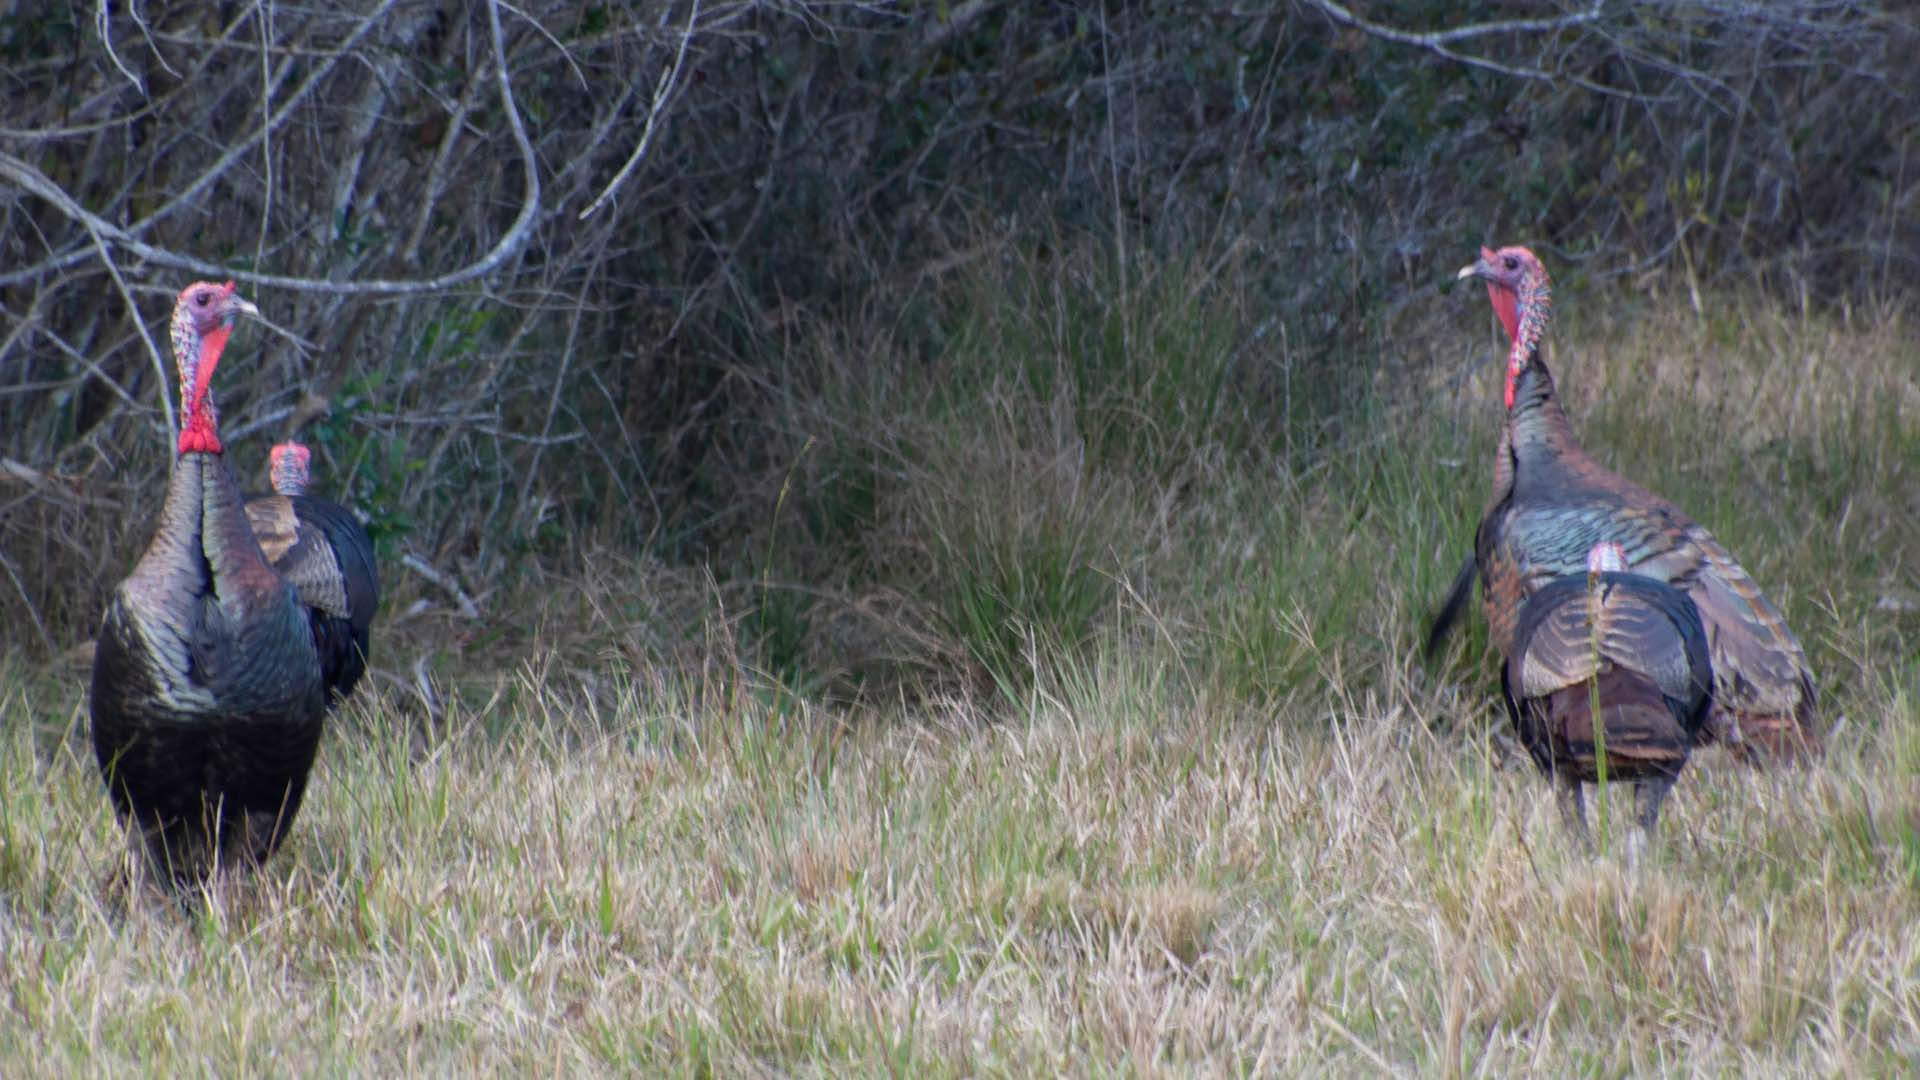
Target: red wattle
pixel 1506 304
pixel 1516 363
pixel 214 342
pixel 197 435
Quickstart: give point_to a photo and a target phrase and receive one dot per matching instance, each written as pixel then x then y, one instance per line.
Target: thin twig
pixel 553 398
pixel 558 45
pixel 259 423
pixel 437 176
pixel 103 25
pixel 140 325
pixel 92 127
pixel 445 582
pixel 669 79
pixel 265 23
pixel 140 20
pixel 92 366
pixel 1430 38
pixel 958 18
pixel 32 612
pixel 423 686
pixel 1440 42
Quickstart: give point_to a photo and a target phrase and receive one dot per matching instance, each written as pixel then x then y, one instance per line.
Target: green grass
pixel 1165 787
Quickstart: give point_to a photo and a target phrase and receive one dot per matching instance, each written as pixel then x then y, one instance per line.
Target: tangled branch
pixel 106 234
pixel 1441 42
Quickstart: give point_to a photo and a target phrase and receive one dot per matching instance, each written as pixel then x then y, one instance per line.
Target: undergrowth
pixel 1126 449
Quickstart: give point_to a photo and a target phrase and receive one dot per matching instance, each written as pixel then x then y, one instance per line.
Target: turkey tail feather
pixel 1450 608
pixel 1644 737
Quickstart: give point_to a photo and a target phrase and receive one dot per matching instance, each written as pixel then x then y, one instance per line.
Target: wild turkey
pixel 1552 502
pixel 206 694
pixel 321 549
pixel 1631 645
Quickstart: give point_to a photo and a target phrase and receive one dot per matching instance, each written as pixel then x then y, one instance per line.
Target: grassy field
pixel 1165 788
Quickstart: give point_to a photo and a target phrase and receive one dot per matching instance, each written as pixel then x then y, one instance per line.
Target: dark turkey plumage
pixel 206 698
pixel 324 552
pixel 1552 502
pixel 1631 646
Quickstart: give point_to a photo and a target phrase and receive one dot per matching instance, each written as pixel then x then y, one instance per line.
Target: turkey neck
pixel 203 543
pixel 1536 437
pixel 170 573
pixel 232 551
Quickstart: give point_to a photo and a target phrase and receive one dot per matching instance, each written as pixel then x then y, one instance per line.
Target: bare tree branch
pixel 662 92
pixel 103 25
pixel 1430 38
pixel 32 180
pixel 1440 42
pixel 140 326
pixel 437 176
pixel 125 238
pixel 447 583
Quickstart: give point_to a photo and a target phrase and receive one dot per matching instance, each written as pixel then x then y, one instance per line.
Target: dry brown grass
pixel 1114 880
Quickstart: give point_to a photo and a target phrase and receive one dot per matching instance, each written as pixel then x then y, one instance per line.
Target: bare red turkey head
pixel 1518 287
pixel 203 318
pixel 289 468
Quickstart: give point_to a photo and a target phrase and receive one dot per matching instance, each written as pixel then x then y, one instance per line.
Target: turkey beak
pixel 1481 268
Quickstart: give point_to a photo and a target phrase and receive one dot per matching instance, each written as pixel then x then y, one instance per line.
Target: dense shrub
pixel 806 172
